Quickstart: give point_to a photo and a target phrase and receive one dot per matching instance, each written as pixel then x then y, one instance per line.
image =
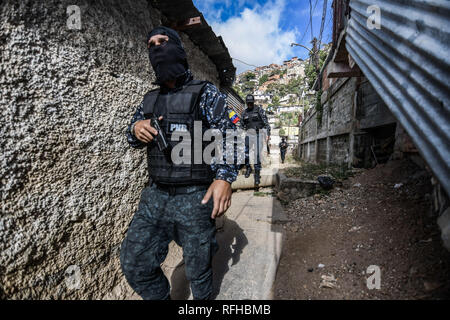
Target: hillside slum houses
pixel 384 92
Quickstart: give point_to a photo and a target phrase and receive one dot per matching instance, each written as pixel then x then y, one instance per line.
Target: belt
pixel 174 190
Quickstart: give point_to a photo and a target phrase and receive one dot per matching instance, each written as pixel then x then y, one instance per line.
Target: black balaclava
pixel 169 60
pixel 250 101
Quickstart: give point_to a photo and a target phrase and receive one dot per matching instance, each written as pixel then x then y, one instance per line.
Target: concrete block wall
pixel 350 106
pixel 322 150
pixel 337 122
pixel 340 149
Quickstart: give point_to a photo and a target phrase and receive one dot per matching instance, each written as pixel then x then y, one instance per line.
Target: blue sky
pixel 259 32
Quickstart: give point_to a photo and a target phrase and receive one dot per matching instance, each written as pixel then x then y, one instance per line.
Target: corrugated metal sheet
pixel 408 62
pixel 234 101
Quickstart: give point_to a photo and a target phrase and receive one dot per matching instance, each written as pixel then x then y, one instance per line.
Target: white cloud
pixel 255 36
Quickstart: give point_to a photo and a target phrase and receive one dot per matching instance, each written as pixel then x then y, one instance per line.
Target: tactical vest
pixel 252 119
pixel 179 110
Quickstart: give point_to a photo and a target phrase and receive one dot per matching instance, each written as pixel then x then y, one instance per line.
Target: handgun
pixel 161 139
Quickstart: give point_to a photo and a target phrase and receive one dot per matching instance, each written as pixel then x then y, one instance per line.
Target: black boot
pixel 248 172
pixel 257 178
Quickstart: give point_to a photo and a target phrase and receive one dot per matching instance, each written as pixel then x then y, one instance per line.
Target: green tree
pixel 239 92
pixel 282 90
pixel 249 76
pixel 311 75
pixel 274 72
pixel 263 79
pixel 248 87
pixel 272 88
pixel 275 101
pixel 291 100
pixel 310 71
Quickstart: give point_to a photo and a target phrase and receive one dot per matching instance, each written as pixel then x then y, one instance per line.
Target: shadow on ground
pixel 231 244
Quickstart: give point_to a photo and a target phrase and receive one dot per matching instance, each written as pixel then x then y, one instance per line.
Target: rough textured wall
pixel 69 181
pixel 312 151
pixel 340 149
pixel 322 151
pixel 372 111
pixel 337 119
pixel 339 107
pixel 309 127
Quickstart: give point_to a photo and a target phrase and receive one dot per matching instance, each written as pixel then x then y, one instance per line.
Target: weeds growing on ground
pixel 310 171
pixel 262 194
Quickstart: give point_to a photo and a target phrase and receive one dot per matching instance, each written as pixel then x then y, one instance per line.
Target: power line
pixel 244 62
pixel 329 20
pixel 309 23
pixel 310 18
pixel 326 25
pixel 324 16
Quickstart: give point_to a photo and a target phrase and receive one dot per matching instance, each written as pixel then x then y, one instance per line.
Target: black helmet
pixel 250 99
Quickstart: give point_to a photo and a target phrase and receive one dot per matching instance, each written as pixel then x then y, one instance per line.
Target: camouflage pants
pixel 256 147
pixel 283 154
pixel 161 218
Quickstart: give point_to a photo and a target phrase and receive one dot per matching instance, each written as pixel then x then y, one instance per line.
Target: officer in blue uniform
pixel 283 148
pixel 254 117
pixel 182 200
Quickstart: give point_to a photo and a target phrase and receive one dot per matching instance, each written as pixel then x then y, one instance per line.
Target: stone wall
pixel 337 120
pixel 340 149
pixel 322 150
pixel 350 109
pixel 372 111
pixel 69 181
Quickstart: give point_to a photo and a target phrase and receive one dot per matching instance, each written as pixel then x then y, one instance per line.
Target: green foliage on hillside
pixel 239 92
pixel 248 87
pixel 275 101
pixel 310 71
pixel 249 76
pixel 295 86
pixel 263 79
pixel 288 119
pixel 275 72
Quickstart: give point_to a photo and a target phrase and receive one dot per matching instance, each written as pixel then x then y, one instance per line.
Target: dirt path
pixel 366 222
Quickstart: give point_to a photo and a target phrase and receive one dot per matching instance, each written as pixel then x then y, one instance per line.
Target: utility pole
pixel 315 53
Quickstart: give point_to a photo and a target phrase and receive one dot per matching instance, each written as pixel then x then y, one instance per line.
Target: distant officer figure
pixel 283 148
pixel 177 204
pixel 254 117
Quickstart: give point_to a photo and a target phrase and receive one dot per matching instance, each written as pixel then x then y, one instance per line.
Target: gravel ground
pixel 369 220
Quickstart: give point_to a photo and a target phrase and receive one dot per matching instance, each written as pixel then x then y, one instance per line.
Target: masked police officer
pixel 182 200
pixel 254 117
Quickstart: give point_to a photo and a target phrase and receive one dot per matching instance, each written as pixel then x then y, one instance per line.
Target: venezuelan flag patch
pixel 233 117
